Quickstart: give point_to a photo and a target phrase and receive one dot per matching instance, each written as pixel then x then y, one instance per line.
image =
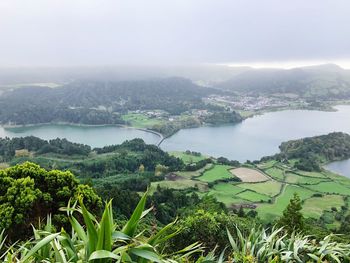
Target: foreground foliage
pixel 261 246
pixel 104 241
pixel 97 241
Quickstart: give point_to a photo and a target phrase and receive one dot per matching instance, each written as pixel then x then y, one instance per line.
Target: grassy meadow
pixel 140 120
pixel 218 172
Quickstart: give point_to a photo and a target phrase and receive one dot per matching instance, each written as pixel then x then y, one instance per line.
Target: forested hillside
pixel 98 102
pixel 314 151
pixel 25 145
pixel 330 147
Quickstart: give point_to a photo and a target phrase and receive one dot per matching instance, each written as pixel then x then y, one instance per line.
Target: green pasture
pixel 253 196
pixel 269 211
pixel 140 120
pixel 275 173
pixel 188 158
pixel 179 184
pixel 218 172
pixel 192 174
pixel 266 165
pixel 330 188
pixel 293 178
pixel 270 188
pixel 314 206
pixel 227 188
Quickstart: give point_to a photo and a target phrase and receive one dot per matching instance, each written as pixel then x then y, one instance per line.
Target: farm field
pixel 197 173
pixel 228 200
pixel 228 188
pixel 253 196
pixel 314 206
pixel 331 188
pixel 218 172
pixel 275 173
pixel 320 191
pixel 270 188
pixel 267 165
pixel 268 211
pixel 311 174
pixel 249 175
pixel 227 193
pixel 180 184
pixel 294 178
pixel 140 120
pixel 188 158
pixel 337 178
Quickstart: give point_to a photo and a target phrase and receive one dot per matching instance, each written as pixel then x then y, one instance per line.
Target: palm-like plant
pixel 97 241
pixel 101 241
pixel 260 246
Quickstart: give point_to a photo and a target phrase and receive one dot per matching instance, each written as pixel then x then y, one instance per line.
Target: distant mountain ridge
pixel 321 81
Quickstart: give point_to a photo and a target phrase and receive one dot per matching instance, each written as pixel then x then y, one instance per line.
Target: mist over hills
pixel 197 73
pixel 322 81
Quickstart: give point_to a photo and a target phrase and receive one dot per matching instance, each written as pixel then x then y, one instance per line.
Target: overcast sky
pixel 119 32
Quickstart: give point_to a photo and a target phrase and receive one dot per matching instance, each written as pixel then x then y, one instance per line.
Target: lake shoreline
pixel 338 169
pixel 161 136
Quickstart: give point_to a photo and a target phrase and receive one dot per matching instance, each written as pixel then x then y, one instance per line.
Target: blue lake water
pixel 341 167
pixel 261 135
pixel 95 136
pixel 250 140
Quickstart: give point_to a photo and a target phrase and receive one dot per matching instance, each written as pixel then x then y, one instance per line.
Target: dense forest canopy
pixel 125 158
pixel 8 147
pixel 330 147
pixel 28 193
pixel 314 151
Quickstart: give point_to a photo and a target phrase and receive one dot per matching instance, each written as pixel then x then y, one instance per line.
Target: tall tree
pixel 292 219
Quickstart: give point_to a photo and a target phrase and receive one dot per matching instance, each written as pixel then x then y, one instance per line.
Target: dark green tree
pixel 28 193
pixel 292 219
pixel 210 228
pixel 241 212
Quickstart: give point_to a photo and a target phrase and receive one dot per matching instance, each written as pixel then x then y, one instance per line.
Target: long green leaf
pixel 91 230
pixel 130 227
pixel 159 237
pixel 232 241
pixel 105 231
pixel 146 254
pixel 100 254
pixel 39 245
pixel 79 229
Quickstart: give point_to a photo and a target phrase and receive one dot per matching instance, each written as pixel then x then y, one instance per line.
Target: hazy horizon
pixel 64 33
